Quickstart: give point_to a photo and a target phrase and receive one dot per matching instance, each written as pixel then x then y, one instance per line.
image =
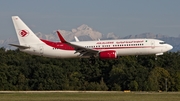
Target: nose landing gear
pixel 158 55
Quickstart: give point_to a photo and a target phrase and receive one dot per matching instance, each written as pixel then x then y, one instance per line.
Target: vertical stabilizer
pixel 24 33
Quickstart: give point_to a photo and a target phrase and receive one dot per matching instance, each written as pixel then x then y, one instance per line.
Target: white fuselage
pixel 122 47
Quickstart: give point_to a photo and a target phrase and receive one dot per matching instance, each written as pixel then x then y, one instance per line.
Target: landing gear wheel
pixel 92 60
pixel 156 57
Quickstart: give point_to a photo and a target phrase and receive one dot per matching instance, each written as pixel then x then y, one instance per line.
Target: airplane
pixel 103 49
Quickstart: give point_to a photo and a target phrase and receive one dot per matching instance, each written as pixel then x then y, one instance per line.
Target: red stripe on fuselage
pixel 58 45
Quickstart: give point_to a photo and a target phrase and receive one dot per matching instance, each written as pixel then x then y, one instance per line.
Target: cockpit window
pixel 162 42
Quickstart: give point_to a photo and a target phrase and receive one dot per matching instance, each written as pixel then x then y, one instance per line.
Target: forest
pixel 21 72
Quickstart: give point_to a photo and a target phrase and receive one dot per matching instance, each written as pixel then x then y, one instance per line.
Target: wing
pixel 79 49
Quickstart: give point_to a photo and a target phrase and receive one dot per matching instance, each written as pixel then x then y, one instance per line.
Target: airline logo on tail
pixel 24 33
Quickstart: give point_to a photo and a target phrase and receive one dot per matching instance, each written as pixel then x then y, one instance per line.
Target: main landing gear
pixel 92 60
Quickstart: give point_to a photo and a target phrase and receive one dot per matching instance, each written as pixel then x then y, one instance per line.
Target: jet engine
pixel 111 54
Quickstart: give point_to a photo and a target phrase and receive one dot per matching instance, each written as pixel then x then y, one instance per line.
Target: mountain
pixel 86 33
pixel 83 32
pixel 146 35
pixel 174 41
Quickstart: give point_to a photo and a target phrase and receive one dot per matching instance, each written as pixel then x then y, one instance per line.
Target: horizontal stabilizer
pixel 20 46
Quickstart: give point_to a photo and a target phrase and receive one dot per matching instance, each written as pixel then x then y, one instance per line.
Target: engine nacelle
pixel 111 54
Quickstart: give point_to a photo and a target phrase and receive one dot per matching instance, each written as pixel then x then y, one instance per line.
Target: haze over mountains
pixel 86 33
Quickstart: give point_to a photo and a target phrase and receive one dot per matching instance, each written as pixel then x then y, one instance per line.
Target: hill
pixel 86 33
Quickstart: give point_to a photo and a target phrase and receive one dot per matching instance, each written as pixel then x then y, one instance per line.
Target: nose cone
pixel 169 47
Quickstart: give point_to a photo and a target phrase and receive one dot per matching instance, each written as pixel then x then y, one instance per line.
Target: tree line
pixel 21 71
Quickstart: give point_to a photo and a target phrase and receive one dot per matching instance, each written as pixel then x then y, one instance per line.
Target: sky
pixel 121 17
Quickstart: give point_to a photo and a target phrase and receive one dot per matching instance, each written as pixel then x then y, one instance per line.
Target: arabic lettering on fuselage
pixel 120 42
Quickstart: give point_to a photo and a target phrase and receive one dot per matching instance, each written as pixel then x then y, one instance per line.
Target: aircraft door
pixel 152 44
pixel 41 50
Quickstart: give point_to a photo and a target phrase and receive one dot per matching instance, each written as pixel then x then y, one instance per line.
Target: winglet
pixel 61 37
pixel 77 40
